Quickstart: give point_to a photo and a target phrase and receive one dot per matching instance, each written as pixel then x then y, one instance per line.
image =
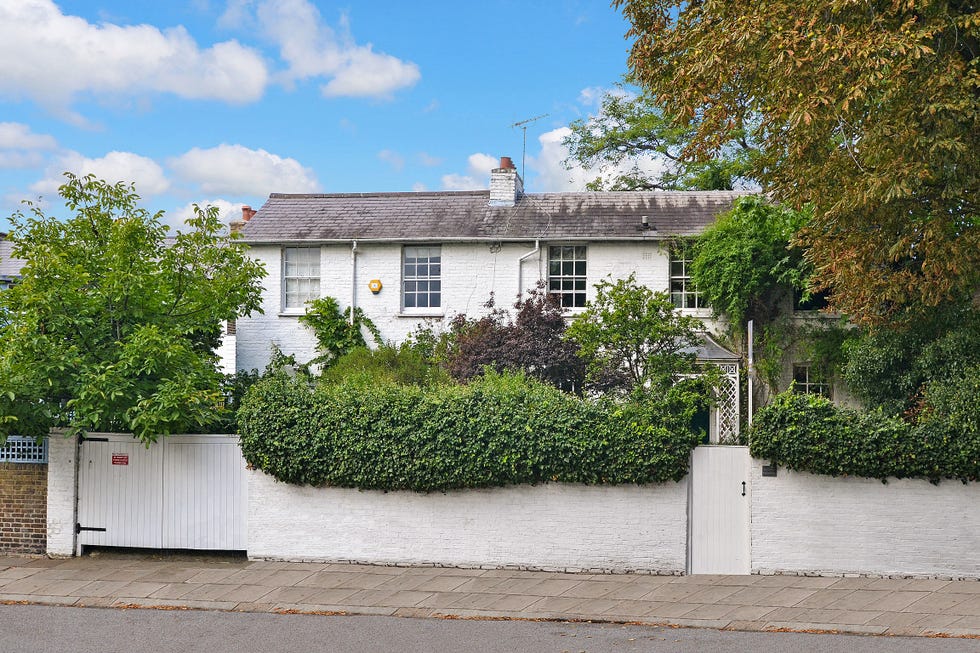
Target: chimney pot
pixel 506 163
pixel 247 213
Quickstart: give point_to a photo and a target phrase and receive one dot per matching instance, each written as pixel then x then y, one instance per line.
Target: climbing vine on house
pixel 337 332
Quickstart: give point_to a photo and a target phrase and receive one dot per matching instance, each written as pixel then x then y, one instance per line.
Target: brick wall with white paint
pixel 62 476
pixel 803 523
pixel 470 272
pixel 550 526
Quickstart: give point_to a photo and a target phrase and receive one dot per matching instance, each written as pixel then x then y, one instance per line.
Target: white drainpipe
pixel 353 279
pixel 520 266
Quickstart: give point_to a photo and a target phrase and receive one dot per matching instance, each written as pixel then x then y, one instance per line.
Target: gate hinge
pixel 79 528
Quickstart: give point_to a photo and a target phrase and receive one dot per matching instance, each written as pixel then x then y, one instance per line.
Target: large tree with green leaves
pixel 114 325
pixel 868 111
pixel 630 127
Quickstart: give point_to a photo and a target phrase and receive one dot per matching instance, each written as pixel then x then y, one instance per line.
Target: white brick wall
pixel 62 476
pixel 470 272
pixel 809 523
pixel 548 526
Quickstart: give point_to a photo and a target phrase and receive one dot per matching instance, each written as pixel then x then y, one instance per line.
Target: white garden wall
pixel 547 526
pixel 62 492
pixel 805 523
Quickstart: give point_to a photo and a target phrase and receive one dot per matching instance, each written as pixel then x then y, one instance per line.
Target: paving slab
pixel 906 606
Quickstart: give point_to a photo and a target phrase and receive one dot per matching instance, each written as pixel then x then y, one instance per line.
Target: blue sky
pixel 226 101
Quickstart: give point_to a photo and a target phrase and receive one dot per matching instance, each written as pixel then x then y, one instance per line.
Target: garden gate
pixel 719 523
pixel 182 492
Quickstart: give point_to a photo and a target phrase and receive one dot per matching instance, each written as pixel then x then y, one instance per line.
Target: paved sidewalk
pixel 850 605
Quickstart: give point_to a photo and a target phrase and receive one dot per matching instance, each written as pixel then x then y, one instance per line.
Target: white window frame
pixel 807 381
pixel 421 279
pixel 304 273
pixel 683 292
pixel 568 275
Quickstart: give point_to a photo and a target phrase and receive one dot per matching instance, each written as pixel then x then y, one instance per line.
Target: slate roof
pixel 466 215
pixel 9 267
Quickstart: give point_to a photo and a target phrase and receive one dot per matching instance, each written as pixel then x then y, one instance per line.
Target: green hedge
pixel 809 433
pixel 498 430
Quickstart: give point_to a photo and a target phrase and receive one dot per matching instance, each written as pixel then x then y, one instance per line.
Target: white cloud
pixel 18 136
pixel 419 187
pixel 455 181
pixel 51 58
pixel 392 158
pixel 479 166
pixel 312 49
pixel 227 211
pixel 22 148
pixel 551 175
pixel 238 170
pixel 592 95
pixel 114 167
pixel 428 160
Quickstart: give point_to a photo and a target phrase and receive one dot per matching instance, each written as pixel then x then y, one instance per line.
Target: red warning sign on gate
pixel 120 459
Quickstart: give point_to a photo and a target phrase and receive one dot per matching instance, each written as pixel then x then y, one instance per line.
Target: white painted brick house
pixel 408 259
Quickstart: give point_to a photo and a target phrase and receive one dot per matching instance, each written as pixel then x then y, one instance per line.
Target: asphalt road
pixel 45 629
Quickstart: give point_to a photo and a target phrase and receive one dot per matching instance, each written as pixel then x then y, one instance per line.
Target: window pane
pixel 435 299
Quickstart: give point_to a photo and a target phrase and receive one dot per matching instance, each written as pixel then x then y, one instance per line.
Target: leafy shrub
pixel 500 429
pixel 808 433
pixel 893 368
pixel 532 342
pixel 402 365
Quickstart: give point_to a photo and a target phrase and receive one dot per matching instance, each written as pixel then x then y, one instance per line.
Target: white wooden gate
pixel 183 492
pixel 720 538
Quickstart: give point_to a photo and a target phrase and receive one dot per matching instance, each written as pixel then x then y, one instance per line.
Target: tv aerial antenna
pixel 523 125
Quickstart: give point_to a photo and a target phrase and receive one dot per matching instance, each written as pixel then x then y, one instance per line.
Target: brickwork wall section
pixel 470 272
pixel 550 526
pixel 809 524
pixel 23 507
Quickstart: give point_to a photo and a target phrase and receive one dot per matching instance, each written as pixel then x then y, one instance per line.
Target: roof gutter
pixel 474 239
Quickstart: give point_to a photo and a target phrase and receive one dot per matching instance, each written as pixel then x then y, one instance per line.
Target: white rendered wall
pixel 470 272
pixel 554 526
pixel 821 524
pixel 62 476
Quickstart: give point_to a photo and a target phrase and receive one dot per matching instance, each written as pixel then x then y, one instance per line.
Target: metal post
pixel 751 363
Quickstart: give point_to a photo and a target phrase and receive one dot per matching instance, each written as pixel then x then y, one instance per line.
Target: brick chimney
pixel 236 225
pixel 506 186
